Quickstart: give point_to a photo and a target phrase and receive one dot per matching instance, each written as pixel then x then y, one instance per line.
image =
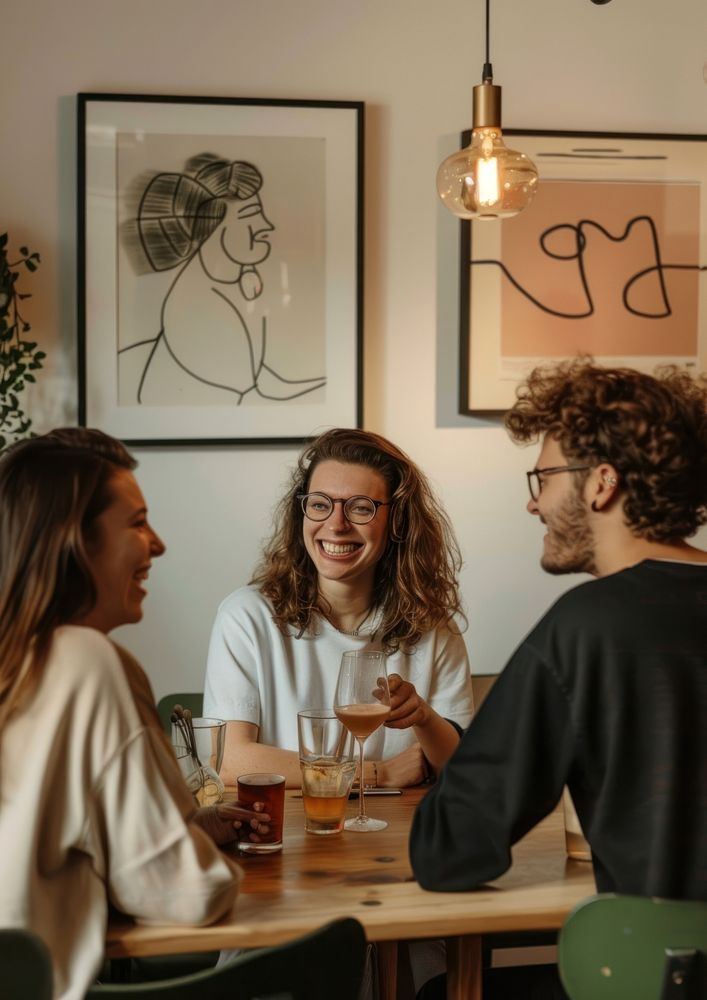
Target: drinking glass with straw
pixel 199 747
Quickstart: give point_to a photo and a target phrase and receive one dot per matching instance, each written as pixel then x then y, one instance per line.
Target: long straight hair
pixel 52 489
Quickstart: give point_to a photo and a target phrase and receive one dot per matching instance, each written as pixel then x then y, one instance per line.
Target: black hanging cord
pixel 487 72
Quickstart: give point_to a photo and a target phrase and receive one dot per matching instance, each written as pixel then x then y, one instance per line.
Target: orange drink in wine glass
pixel 362 703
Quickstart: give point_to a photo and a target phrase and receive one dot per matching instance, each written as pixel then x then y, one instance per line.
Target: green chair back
pixel 634 948
pixel 326 963
pixel 193 700
pixel 25 966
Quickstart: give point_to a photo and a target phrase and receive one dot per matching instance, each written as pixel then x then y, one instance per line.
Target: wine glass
pixel 362 703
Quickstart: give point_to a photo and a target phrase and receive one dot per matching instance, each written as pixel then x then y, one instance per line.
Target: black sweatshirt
pixel 608 694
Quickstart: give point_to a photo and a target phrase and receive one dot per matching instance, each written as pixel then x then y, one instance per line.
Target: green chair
pixel 25 966
pixel 634 948
pixel 326 963
pixel 193 700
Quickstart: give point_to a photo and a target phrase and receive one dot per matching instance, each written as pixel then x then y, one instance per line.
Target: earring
pixel 611 480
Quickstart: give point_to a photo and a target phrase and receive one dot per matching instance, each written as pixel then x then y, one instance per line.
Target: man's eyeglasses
pixel 357 510
pixel 535 482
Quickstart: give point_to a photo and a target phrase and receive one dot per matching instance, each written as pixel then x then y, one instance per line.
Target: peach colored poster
pixel 609 259
pixel 602 267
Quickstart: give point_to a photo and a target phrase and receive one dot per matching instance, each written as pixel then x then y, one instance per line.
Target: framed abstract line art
pixel 609 259
pixel 220 268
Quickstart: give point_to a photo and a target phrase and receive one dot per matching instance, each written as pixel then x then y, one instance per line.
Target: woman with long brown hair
pixel 362 557
pixel 93 808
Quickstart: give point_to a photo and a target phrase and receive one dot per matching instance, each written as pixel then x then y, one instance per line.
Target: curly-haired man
pixel 608 693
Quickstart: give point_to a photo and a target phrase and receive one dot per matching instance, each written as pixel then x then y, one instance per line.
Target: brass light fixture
pixel 486 180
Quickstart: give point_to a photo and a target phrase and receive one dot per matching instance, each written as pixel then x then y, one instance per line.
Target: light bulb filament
pixel 488 182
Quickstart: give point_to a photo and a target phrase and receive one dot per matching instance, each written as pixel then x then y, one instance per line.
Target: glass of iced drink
pixel 362 703
pixel 270 790
pixel 328 769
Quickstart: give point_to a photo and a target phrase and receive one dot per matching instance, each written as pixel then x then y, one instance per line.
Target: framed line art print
pixel 609 259
pixel 220 267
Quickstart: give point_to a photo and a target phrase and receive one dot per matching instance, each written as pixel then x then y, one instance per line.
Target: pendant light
pixel 486 180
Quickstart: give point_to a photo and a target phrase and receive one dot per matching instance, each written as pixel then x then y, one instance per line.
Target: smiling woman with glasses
pixel 362 557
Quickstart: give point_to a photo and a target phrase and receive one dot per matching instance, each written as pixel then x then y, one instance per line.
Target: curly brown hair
pixel 415 585
pixel 652 429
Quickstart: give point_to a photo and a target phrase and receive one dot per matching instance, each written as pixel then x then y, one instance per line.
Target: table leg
pixel 387 969
pixel 464 967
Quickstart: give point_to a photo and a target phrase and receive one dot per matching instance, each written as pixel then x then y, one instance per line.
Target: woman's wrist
pixel 370 774
pixel 380 775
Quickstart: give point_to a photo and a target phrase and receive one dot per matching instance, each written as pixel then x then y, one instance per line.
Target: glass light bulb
pixel 486 180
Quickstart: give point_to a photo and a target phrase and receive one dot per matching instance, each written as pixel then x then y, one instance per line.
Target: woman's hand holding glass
pixel 407 708
pixel 230 821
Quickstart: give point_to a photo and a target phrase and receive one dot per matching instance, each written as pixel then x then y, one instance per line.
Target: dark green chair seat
pixel 615 947
pixel 25 966
pixel 193 700
pixel 326 963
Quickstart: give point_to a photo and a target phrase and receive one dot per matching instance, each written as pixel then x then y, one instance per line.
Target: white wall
pixel 634 65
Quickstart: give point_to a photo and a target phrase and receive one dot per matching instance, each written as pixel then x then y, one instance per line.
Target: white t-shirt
pixel 93 809
pixel 256 674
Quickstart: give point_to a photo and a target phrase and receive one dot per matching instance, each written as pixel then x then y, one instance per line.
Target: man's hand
pixel 229 821
pixel 407 707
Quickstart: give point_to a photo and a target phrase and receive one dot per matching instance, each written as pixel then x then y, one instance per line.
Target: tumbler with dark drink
pixel 270 790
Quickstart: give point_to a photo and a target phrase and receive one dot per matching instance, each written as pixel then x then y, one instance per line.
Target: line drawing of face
pixel 245 231
pixel 568 545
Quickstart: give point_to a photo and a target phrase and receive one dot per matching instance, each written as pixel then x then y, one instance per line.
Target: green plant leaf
pixel 29 378
pixel 24 251
pixel 3 240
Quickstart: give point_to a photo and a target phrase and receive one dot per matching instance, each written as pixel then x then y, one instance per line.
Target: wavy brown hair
pixel 416 578
pixel 52 489
pixel 652 429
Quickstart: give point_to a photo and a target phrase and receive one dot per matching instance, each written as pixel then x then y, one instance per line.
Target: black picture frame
pixel 194 326
pixel 662 169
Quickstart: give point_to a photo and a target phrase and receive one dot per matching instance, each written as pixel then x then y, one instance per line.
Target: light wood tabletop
pixel 367 875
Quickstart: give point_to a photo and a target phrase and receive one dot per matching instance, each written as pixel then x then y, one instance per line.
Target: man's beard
pixel 570 543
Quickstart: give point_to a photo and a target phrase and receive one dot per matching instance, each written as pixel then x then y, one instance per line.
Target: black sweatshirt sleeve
pixel 505 776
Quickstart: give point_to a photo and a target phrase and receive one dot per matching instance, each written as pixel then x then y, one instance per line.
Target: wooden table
pixel 368 876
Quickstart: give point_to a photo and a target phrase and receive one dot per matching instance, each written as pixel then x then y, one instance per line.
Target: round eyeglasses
pixel 357 510
pixel 535 481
